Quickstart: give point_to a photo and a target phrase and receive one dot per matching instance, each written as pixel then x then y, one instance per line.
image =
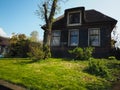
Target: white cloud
pixel 2 33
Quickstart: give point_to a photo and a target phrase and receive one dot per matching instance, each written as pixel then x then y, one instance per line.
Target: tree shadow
pixel 23 62
pixel 4 88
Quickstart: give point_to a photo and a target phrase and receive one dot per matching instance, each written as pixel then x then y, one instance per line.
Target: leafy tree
pixel 34 36
pixel 47 12
pixel 18 46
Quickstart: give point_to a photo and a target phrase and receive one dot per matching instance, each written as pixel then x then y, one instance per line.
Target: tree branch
pixel 45 12
pixel 54 5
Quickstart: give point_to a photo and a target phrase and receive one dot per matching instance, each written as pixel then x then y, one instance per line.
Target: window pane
pixel 55 38
pixel 74 18
pixel 94 40
pixel 94 32
pixel 74 33
pixel 55 41
pixel 56 33
pixel 94 37
pixel 74 38
pixel 74 41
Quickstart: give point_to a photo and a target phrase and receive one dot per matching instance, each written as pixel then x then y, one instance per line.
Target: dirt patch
pixel 4 88
pixel 116 86
pixel 4 85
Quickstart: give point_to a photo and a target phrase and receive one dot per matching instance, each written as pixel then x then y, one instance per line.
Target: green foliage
pixel 36 51
pixel 82 53
pixel 98 68
pixel 18 46
pixel 47 52
pixel 50 74
pixel 34 36
pixel 112 58
pixel 88 52
pixel 78 52
pixel 21 47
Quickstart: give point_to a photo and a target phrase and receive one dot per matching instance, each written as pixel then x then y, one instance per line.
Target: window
pixel 73 37
pixel 94 37
pixel 55 38
pixel 74 18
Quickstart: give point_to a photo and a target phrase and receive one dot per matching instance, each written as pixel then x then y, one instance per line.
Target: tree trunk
pixel 47 32
pixel 47 35
pixel 47 41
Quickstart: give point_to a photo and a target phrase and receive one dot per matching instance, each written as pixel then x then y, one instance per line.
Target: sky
pixel 18 16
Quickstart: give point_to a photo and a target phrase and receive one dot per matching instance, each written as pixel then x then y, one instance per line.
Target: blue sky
pixel 18 16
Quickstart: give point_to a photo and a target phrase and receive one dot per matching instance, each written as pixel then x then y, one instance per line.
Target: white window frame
pixel 99 43
pixel 56 36
pixel 68 24
pixel 69 38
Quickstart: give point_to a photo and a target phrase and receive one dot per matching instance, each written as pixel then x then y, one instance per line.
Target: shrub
pixel 18 46
pixel 82 53
pixel 78 53
pixel 98 68
pixel 36 51
pixel 112 58
pixel 88 52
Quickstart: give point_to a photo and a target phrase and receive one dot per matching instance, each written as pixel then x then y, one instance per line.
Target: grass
pixel 54 74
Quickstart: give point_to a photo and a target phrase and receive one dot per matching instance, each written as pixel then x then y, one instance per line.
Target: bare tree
pixel 47 11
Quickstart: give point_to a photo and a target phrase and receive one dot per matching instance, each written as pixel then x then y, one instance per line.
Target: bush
pixel 112 58
pixel 82 53
pixel 78 53
pixel 36 51
pixel 98 68
pixel 88 52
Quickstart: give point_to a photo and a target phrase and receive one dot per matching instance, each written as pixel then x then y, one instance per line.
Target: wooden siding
pixel 90 19
pixel 101 51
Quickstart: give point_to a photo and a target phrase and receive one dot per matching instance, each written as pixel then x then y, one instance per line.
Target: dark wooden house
pixel 82 28
pixel 4 43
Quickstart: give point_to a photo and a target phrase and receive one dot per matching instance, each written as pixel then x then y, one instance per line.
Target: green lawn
pixel 54 74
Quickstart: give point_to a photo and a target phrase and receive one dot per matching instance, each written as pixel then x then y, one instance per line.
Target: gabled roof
pixel 96 16
pixel 4 41
pixel 90 16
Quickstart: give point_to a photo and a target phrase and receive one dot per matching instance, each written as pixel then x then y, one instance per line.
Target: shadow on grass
pixel 4 88
pixel 25 62
pixel 114 64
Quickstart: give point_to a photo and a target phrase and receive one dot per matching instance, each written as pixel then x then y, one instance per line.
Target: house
pixel 82 28
pixel 4 43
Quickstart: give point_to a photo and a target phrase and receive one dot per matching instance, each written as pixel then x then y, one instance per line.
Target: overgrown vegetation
pixel 35 51
pixel 47 52
pixel 51 74
pixel 82 53
pixel 56 74
pixel 23 47
pixel 18 46
pixel 98 68
pixel 112 58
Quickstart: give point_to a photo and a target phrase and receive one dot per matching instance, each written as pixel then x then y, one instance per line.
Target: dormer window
pixel 74 18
